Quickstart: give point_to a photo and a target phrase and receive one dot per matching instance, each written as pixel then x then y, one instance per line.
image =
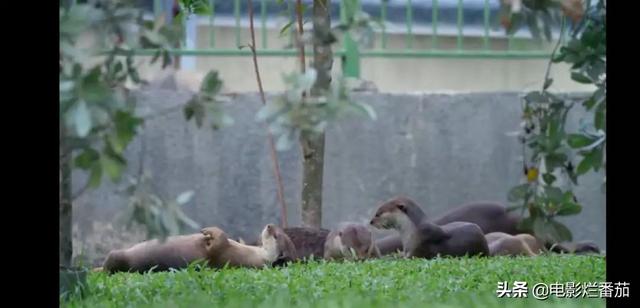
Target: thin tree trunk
pixel 66 243
pixel 313 144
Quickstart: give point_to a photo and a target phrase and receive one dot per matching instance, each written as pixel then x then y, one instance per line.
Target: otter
pixel 308 242
pixel 503 244
pixel 583 247
pixel 424 239
pixel 174 252
pixel 350 241
pixel 489 216
pixel 222 251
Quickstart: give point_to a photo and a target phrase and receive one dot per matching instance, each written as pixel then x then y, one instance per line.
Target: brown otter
pixel 490 217
pixel 503 244
pixel 421 238
pixel 583 247
pixel 308 242
pixel 350 241
pixel 223 251
pixel 175 252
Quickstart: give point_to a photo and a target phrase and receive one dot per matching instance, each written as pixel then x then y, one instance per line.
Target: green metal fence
pixel 351 54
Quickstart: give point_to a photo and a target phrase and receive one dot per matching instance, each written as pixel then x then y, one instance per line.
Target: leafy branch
pixel 543 127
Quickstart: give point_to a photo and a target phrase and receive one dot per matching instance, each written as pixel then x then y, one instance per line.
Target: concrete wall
pixel 441 149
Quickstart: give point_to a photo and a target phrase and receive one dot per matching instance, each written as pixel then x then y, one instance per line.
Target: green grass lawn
pixel 447 282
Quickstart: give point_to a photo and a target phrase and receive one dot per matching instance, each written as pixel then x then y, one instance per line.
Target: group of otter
pixel 486 229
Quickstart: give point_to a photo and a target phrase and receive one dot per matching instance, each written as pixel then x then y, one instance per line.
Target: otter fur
pixel 222 251
pixel 489 216
pixel 424 239
pixel 351 241
pixel 503 244
pixel 174 252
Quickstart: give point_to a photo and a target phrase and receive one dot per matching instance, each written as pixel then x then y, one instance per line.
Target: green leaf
pixel 286 27
pixel 536 97
pixel 283 142
pixel 126 128
pixel 365 109
pixel 518 192
pixel 592 159
pixel 600 118
pixel 532 23
pixel 93 89
pixel 555 160
pixel 580 78
pixel 540 229
pixel 548 178
pixel 170 222
pixel 577 141
pixel 569 208
pixel 87 158
pixel 560 232
pixel 82 119
pixel 113 167
pixel 194 109
pixel 211 83
pixel 185 197
pixel 186 220
pixel 95 175
pixel 554 194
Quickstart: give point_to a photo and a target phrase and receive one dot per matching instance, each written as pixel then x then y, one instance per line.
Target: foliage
pixel 358 23
pixel 97 114
pixel 296 113
pixel 544 132
pixel 205 102
pixel 293 113
pixel 444 282
pixel 160 216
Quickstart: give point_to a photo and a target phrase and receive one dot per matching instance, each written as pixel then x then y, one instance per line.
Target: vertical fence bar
pixel 157 8
pixel 292 27
pixel 510 42
pixel 383 16
pixel 236 8
pixel 409 19
pixel 434 23
pixel 263 17
pixel 212 28
pixel 460 25
pixel 351 58
pixel 487 12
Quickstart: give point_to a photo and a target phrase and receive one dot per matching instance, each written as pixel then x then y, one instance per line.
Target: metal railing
pixel 351 54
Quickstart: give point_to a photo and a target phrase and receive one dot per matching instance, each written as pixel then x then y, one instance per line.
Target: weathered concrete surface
pixel 441 149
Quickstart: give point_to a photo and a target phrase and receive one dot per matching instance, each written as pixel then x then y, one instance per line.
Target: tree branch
pixel 300 32
pixel 272 147
pixel 553 54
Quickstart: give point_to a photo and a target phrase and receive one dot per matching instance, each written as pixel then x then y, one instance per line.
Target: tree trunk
pixel 313 144
pixel 66 243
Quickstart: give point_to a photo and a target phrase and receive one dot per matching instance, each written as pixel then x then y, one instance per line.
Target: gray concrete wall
pixel 441 149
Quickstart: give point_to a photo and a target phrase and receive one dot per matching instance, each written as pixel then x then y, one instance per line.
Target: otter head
pixel 215 238
pixel 356 241
pixel 116 261
pixel 269 241
pixel 395 214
